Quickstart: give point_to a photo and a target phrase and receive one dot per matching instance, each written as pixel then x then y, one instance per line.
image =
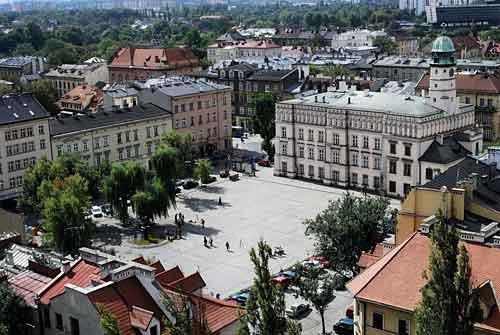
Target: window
pixel 481 102
pixel 376 163
pixel 310 153
pixel 59 149
pixel 148 132
pixel 136 135
pixel 376 182
pixel 283 132
pixel 155 128
pixel 321 136
pixel 301 169
pixel 85 145
pixel 428 173
pixel 199 104
pixel 120 154
pixel 75 147
pixel 283 149
pixel 136 150
pixel 301 152
pixel 365 180
pixel 393 148
pixel 335 176
pixel 354 140
pixel 354 159
pixel 41 130
pixel 321 172
pixel 392 186
pixel 311 171
pixel 378 320
pixel 336 139
pixel 42 144
pixel 284 167
pixel 321 154
pixel 467 100
pixel 354 178
pixel 365 162
pixel 393 167
pixel 105 140
pixel 59 321
pixel 153 330
pixel 335 156
pixel 310 135
pixel 301 134
pixel 407 169
pixel 75 326
pixel 406 188
pixel 365 142
pixel 403 327
pixel 118 138
pixel 149 148
pixel 407 150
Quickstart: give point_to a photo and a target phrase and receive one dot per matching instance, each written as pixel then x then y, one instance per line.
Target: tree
pixel 65 203
pixel 266 303
pixel 45 93
pixel 348 227
pixel 30 201
pixel 34 35
pixel 183 144
pixel 193 39
pixel 385 44
pixel 264 120
pixel 15 315
pixel 108 321
pixel 188 316
pixel 123 182
pixel 202 170
pixel 318 289
pixel 448 305
pixel 336 71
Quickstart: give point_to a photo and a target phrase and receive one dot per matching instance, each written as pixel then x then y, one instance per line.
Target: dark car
pixel 107 209
pixel 344 327
pixel 224 174
pixel 234 177
pixel 240 298
pixel 297 311
pixel 189 184
pixel 264 163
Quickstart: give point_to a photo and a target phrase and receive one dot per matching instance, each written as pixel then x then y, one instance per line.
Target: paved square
pixel 264 206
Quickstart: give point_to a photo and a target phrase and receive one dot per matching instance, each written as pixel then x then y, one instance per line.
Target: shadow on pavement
pixel 202 205
pixel 110 235
pixel 212 189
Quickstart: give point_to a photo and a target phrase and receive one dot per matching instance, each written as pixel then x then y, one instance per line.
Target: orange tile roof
pixel 140 318
pixel 154 58
pixel 219 313
pixel 89 97
pixel 81 274
pixel 167 277
pixel 396 279
pixel 27 284
pixel 369 258
pixel 469 82
pixel 190 283
pixel 158 267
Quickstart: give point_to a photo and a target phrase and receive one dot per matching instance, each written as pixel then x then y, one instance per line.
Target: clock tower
pixel 442 83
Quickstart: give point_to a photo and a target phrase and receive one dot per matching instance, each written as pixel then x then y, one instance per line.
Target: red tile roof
pixel 219 313
pixel 81 274
pixel 369 258
pixel 158 267
pixel 88 97
pixel 129 302
pixel 27 284
pixel 470 82
pixel 469 42
pixel 396 279
pixel 155 58
pixel 140 260
pixel 189 284
pixel 167 277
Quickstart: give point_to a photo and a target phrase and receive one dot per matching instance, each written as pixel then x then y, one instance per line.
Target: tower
pixel 442 83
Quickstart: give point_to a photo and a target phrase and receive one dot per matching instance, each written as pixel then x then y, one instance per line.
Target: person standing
pixel 227 246
pixel 205 241
pixel 211 241
pixel 203 223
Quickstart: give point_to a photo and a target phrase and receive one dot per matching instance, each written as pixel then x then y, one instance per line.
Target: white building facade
pixel 365 139
pixel 356 38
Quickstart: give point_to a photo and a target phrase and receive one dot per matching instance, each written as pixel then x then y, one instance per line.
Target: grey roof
pixel 82 122
pixel 371 101
pixel 231 36
pixel 243 66
pixel 119 90
pixel 396 61
pixel 177 87
pixel 270 75
pixel 16 61
pixel 73 70
pixel 450 151
pixel 19 108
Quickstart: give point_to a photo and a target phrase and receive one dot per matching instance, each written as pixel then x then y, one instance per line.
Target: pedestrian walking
pixel 241 243
pixel 203 223
pixel 227 246
pixel 211 242
pixel 220 201
pixel 205 241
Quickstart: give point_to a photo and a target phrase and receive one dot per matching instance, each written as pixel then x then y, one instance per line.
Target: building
pixel 481 90
pixel 24 129
pixel 396 68
pixel 131 64
pixel 356 38
pixel 242 49
pixel 13 68
pixel 487 14
pixel 198 107
pixel 407 44
pixel 116 134
pixel 388 292
pixel 66 77
pixel 298 37
pixel 81 99
pixel 119 95
pixel 467 47
pixel 413 6
pixel 247 80
pixel 366 139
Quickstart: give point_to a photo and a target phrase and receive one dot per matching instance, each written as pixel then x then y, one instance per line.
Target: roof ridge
pixel 58 277
pixel 391 257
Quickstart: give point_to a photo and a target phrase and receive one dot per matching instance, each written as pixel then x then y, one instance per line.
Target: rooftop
pixel 16 61
pixel 443 44
pixel 27 284
pixel 82 122
pixel 472 82
pixel 20 107
pixel 181 86
pixel 371 101
pixel 154 58
pixel 73 70
pixel 398 61
pixel 450 150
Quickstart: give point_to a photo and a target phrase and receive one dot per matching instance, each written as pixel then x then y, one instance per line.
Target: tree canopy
pixel 264 120
pixel 15 315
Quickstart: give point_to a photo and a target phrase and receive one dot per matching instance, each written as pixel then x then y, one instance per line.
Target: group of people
pixel 179 222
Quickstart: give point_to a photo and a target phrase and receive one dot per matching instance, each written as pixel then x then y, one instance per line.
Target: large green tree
pixel 15 315
pixel 348 227
pixel 188 317
pixel 65 204
pixel 385 44
pixel 264 105
pixel 266 304
pixel 202 170
pixel 449 305
pixel 183 144
pixel 124 181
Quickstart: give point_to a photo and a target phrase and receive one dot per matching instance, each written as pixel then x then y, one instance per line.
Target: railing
pixel 376 331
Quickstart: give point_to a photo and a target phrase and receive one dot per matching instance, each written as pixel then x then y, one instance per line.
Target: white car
pixel 96 212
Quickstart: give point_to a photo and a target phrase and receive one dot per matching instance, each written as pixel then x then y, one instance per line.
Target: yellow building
pixel 466 193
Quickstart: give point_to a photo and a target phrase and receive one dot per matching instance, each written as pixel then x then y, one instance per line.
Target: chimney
pixel 66 266
pixel 9 257
pixel 132 52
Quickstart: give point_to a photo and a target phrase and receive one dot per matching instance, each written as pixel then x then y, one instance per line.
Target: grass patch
pixel 141 242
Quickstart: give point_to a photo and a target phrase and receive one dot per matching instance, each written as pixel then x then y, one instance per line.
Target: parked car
pixel 344 326
pixel 107 209
pixel 210 180
pixel 291 275
pixel 96 212
pixel 324 262
pixel 241 297
pixel 234 177
pixel 189 184
pixel 224 174
pixel 264 163
pixel 297 311
pixel 312 264
pixel 281 280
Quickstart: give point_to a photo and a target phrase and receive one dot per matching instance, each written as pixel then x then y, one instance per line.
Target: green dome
pixel 443 44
